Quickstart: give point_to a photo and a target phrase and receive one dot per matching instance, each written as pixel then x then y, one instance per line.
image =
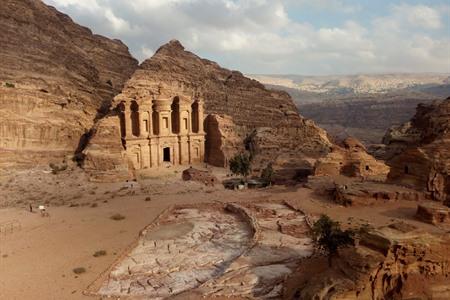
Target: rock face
pixel 350 160
pixel 395 262
pixel 364 117
pixel 55 78
pixel 422 151
pixel 104 157
pixel 371 193
pixel 222 140
pixel 245 113
pixel 433 213
pixel 228 93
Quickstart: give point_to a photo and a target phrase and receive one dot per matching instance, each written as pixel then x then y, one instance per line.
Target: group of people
pixel 42 210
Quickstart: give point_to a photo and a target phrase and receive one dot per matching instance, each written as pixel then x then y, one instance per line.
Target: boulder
pixel 433 213
pixel 192 174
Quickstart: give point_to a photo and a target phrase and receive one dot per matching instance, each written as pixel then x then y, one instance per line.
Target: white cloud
pixel 418 15
pixel 259 36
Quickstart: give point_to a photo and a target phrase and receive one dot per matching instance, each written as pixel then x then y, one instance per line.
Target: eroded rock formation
pixel 104 157
pixel 222 140
pixel 205 177
pixel 242 108
pixel 214 250
pixel 350 160
pixel 55 78
pixel 422 151
pixel 395 262
pixel 433 213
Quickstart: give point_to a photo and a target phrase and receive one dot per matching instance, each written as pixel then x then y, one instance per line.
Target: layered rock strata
pixel 245 115
pixel 350 160
pixel 55 78
pixel 433 213
pixel 395 262
pixel 422 151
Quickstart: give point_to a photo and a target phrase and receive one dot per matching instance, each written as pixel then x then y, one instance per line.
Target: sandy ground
pixel 38 257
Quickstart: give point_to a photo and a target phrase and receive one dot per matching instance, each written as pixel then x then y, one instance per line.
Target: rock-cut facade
pixel 158 130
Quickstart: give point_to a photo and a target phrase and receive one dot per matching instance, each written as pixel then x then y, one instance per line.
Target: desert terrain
pixel 177 178
pixel 39 254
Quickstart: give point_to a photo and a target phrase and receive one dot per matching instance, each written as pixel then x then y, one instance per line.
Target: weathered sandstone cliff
pixel 245 112
pixel 395 262
pixel 55 78
pixel 419 153
pixel 350 160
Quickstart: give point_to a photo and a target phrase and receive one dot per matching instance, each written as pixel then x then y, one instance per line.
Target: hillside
pixel 364 106
pixel 55 78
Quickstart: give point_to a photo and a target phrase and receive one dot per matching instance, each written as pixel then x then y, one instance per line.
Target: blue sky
pixel 307 37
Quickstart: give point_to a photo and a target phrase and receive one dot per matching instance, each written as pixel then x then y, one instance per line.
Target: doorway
pixel 166 154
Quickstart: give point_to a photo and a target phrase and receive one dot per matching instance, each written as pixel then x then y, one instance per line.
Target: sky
pixel 307 37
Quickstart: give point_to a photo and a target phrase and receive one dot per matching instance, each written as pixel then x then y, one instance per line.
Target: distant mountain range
pixel 364 106
pixel 354 85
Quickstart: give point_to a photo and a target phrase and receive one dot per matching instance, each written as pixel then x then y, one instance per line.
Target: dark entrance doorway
pixel 166 154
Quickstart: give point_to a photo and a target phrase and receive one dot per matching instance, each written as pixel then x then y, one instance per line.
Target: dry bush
pixel 79 270
pixel 99 253
pixel 117 217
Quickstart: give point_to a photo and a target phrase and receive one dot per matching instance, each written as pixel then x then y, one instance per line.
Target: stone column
pixel 145 156
pixel 141 123
pixel 127 116
pixel 189 130
pixel 200 116
pixel 150 121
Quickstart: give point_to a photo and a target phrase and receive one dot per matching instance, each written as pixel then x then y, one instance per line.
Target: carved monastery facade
pixel 162 130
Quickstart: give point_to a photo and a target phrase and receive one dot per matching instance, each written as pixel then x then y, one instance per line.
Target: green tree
pixel 329 236
pixel 240 164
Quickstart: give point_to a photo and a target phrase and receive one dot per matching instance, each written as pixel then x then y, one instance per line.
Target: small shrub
pixel 329 236
pixel 10 85
pixel 117 217
pixel 58 168
pixel 79 270
pixel 148 199
pixel 240 164
pixel 99 253
pixel 94 205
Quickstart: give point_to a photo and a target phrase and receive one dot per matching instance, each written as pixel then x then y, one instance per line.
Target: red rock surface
pixel 394 262
pixel 54 78
pixel 433 213
pixel 206 177
pixel 423 159
pixel 242 108
pixel 351 160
